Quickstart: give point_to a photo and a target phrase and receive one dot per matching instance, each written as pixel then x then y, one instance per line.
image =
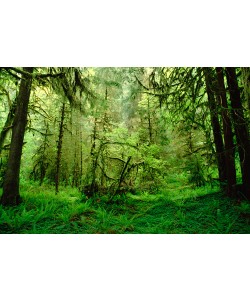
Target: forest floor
pixel 183 210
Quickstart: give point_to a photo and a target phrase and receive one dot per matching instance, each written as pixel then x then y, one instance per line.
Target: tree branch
pixel 140 83
pixel 36 130
pixel 33 75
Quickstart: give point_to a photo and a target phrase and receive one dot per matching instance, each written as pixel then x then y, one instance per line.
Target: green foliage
pixel 244 208
pixel 187 210
pixel 195 171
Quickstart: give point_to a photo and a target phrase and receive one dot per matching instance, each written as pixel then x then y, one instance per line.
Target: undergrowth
pixel 171 210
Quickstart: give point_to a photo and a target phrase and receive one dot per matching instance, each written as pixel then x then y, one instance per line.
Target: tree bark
pixel 228 134
pixel 149 124
pixel 241 129
pixel 7 127
pixel 246 85
pixel 94 158
pixel 59 148
pixel 11 180
pixel 219 146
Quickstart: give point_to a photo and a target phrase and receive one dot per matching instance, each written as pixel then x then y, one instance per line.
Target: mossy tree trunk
pixel 94 158
pixel 10 194
pixel 240 127
pixel 8 125
pixel 228 134
pixel 218 140
pixel 246 85
pixel 59 148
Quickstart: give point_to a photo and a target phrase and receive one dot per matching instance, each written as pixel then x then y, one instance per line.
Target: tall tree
pixel 240 126
pixel 10 194
pixel 227 132
pixel 218 141
pixel 59 147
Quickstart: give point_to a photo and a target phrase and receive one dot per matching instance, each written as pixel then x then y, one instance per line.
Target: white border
pixel 124 33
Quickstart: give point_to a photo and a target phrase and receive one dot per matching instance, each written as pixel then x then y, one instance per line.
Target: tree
pixel 8 89
pixel 228 134
pixel 240 127
pixel 218 141
pixel 10 194
pixel 42 160
pixel 59 147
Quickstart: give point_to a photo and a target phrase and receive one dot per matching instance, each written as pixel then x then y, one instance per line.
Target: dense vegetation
pixel 124 150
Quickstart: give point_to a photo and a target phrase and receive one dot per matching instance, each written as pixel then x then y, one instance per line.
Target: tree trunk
pixel 122 176
pixel 219 146
pixel 94 158
pixel 81 157
pixel 8 125
pixel 44 164
pixel 149 124
pixel 59 148
pixel 11 180
pixel 228 134
pixel 246 85
pixel 241 129
pixel 76 166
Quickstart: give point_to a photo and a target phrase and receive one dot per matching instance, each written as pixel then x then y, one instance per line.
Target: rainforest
pixel 124 150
